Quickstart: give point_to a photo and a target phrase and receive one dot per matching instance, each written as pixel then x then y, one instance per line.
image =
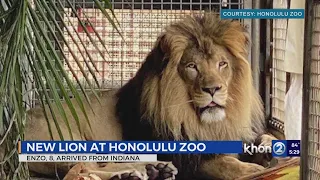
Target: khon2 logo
pixel 279 148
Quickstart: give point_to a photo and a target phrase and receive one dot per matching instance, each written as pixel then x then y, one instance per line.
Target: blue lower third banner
pixel 262 14
pixel 131 147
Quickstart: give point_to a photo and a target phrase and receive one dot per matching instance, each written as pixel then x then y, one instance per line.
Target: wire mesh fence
pixel 141 21
pixel 279 74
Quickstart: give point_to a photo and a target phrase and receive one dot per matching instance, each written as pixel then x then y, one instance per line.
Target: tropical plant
pixel 32 36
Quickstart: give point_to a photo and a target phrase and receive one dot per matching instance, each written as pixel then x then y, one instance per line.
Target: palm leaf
pixel 29 33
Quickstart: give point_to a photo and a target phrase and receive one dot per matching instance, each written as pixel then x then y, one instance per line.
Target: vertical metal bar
pixel 114 53
pixel 247 4
pixel 267 66
pixel 255 57
pixel 304 168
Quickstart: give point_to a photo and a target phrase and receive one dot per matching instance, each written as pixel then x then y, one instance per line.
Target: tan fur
pixel 228 167
pixel 102 119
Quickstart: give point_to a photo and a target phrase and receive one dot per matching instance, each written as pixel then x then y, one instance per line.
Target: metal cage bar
pixel 309 160
pixel 267 74
pixel 255 61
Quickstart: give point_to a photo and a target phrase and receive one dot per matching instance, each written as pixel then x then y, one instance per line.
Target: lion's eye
pixel 222 64
pixel 191 65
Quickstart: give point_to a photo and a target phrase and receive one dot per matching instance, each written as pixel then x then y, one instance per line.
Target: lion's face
pixel 207 74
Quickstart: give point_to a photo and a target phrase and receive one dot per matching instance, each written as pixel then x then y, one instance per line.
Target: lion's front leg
pixel 266 158
pixel 228 168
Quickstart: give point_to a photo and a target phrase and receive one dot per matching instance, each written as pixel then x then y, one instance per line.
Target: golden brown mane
pixel 165 98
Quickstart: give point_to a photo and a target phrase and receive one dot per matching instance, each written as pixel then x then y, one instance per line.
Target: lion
pixel 195 84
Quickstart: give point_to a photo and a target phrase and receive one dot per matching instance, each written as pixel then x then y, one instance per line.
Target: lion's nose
pixel 211 90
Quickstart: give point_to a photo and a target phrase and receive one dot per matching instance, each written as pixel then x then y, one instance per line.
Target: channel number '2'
pixel 279 148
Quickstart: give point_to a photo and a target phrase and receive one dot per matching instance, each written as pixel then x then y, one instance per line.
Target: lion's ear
pixel 171 44
pixel 247 39
pixel 237 39
pixel 161 44
pixel 156 58
pixel 160 48
pixel 246 45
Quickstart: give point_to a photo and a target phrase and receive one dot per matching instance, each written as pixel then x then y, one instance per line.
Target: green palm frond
pixel 31 52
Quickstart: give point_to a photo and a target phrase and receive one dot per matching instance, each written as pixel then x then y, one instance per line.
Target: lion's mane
pixel 155 104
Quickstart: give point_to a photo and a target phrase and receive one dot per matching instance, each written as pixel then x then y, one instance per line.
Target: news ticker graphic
pixel 262 14
pixel 87 157
pixel 135 151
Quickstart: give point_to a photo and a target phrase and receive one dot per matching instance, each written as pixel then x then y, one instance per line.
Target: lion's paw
pixel 266 140
pixel 128 175
pixel 161 171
